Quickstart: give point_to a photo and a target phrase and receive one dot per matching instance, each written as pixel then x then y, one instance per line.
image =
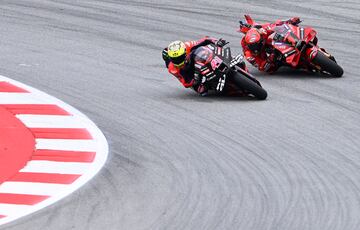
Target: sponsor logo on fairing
pixel 236 60
pixel 215 62
pixel 211 47
pixel 221 83
pixel 289 53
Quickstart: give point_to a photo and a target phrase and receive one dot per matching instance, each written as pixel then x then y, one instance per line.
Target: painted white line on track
pixel 56 167
pixel 68 145
pixel 50 121
pixel 31 188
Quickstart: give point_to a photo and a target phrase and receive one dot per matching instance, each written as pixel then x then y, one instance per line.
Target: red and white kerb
pixel 48 149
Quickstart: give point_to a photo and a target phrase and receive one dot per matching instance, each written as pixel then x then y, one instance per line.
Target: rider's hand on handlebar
pixel 244 27
pixel 221 42
pixel 294 21
pixel 244 24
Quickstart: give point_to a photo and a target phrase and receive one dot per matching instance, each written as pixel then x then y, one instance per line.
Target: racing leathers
pixel 266 59
pixel 185 73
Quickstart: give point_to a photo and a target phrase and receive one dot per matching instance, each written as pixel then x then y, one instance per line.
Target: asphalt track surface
pixel 179 161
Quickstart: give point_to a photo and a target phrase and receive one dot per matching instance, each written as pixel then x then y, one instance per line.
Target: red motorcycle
pixel 297 47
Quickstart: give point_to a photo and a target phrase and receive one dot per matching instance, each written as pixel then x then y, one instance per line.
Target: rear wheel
pixel 249 85
pixel 327 65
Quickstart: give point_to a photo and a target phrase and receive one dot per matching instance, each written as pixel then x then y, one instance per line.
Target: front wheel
pixel 327 65
pixel 249 85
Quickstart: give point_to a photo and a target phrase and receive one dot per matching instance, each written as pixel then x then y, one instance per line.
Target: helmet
pixel 254 40
pixel 177 53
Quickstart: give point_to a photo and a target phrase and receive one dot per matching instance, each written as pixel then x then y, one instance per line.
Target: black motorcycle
pixel 219 71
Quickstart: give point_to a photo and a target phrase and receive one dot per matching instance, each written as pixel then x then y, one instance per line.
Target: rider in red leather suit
pixel 256 43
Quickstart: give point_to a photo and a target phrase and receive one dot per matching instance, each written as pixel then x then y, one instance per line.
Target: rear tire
pixel 328 65
pixel 249 86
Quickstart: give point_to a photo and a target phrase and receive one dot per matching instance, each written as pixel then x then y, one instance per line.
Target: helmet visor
pixel 177 61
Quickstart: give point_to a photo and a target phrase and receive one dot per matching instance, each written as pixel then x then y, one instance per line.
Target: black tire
pixel 248 85
pixel 328 65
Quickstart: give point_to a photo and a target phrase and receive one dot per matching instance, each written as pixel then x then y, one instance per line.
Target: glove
pixel 221 42
pixel 294 21
pixel 244 27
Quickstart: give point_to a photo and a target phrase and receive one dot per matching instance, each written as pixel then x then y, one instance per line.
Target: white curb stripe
pixel 57 167
pixel 55 191
pixel 50 121
pixel 31 188
pixel 65 144
pixel 13 209
pixel 22 98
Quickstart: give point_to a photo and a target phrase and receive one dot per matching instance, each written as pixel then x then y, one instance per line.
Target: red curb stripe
pixel 64 156
pixel 35 109
pixel 22 199
pixel 6 87
pixel 17 145
pixel 61 133
pixel 1 216
pixel 53 178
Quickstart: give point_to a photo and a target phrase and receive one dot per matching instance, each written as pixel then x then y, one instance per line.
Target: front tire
pixel 249 86
pixel 327 65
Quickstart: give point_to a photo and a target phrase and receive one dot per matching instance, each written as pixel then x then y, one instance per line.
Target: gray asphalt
pixel 178 161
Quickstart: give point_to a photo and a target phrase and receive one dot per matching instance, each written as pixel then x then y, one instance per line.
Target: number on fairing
pixel 215 62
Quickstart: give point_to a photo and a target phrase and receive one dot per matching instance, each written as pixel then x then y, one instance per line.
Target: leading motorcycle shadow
pixel 289 73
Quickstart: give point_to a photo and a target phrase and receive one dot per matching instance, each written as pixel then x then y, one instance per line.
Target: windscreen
pixel 203 55
pixel 282 30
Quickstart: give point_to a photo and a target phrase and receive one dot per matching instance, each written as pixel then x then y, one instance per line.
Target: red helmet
pixel 254 40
